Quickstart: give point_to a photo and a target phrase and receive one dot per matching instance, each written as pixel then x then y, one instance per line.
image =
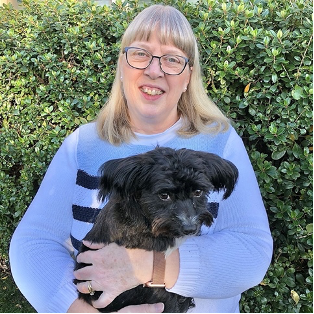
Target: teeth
pixel 152 92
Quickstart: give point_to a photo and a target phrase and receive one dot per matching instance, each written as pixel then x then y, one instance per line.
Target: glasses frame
pixel 125 50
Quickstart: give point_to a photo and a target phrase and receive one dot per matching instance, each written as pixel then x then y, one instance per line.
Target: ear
pixel 187 81
pixel 124 176
pixel 222 173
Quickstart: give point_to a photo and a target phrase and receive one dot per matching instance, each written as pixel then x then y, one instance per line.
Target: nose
pixel 189 229
pixel 154 70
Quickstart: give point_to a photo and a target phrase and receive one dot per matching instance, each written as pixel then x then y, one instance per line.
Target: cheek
pixel 128 77
pixel 177 85
pixel 129 91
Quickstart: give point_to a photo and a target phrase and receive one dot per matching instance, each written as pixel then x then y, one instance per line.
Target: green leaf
pixel 297 93
pixel 278 154
pixel 309 228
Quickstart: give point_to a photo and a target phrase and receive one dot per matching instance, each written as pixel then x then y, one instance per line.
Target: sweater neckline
pixel 158 138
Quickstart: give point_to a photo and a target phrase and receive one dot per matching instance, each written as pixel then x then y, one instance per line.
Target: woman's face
pixel 152 96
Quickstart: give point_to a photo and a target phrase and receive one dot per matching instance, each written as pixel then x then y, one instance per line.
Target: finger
pixel 84 273
pixel 84 287
pixel 104 300
pixel 92 245
pixel 85 257
pixel 143 308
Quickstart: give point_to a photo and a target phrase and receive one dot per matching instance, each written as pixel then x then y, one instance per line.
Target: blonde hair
pixel 200 112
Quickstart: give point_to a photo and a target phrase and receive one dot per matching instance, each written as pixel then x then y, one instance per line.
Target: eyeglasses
pixel 140 59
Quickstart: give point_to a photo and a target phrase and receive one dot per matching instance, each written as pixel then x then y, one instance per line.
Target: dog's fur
pixel 154 199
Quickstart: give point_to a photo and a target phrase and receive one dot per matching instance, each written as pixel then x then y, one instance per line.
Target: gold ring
pixel 90 288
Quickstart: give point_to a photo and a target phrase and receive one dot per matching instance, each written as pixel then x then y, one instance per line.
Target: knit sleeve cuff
pixel 189 269
pixel 61 302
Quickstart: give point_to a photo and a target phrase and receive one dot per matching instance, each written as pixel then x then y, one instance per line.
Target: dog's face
pixel 170 187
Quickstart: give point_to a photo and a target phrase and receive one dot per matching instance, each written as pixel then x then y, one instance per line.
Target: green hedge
pixel 57 63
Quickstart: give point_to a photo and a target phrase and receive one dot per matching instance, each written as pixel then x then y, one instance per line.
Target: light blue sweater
pixel 215 268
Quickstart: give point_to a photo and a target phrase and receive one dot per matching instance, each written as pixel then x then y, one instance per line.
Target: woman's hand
pixel 80 306
pixel 114 269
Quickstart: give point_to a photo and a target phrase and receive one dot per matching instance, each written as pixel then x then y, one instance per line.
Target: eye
pixel 164 196
pixel 139 54
pixel 198 193
pixel 171 59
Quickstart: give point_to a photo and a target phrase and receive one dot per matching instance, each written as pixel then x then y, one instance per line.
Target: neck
pixel 153 127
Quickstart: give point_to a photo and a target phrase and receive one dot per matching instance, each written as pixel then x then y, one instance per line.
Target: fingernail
pixel 159 307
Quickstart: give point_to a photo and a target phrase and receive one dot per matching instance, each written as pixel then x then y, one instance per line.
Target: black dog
pixel 153 199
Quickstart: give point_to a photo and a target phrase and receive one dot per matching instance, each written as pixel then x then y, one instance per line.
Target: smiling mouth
pixel 151 91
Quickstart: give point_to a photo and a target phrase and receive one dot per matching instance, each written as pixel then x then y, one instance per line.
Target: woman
pixel 157 98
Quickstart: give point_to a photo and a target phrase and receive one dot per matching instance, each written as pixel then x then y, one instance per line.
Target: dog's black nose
pixel 189 229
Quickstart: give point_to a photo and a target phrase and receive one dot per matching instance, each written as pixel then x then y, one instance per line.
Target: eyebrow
pixel 144 45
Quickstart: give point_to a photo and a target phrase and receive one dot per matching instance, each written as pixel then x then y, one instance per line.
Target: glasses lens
pixel 138 58
pixel 172 64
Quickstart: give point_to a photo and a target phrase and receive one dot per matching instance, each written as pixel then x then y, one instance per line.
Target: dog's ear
pixel 125 176
pixel 222 173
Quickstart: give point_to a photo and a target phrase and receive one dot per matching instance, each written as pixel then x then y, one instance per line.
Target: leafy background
pixel 57 64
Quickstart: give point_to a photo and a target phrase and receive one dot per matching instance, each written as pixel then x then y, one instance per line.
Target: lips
pixel 152 91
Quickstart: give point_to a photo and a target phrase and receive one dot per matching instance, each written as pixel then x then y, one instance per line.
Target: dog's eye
pixel 164 196
pixel 198 193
